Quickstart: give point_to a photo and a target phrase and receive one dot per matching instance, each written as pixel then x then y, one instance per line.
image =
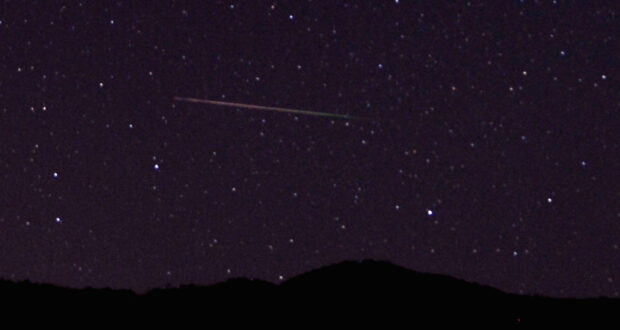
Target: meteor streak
pixel 260 107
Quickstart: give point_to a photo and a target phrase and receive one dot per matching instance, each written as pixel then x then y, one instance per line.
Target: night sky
pixel 491 153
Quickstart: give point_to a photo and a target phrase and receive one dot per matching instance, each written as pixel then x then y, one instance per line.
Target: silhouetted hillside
pixel 347 290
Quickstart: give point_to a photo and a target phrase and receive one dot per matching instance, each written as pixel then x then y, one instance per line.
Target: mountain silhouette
pixel 349 289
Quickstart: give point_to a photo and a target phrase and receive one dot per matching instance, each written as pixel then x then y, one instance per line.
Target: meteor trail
pixel 260 107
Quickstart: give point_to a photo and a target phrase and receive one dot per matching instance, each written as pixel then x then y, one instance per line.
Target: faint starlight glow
pixel 503 132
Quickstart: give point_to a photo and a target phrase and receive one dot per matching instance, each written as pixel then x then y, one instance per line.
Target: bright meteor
pixel 260 107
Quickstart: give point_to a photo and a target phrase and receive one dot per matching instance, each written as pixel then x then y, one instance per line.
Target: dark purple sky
pixel 500 164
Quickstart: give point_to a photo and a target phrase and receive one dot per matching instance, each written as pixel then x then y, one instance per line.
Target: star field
pixel 493 156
